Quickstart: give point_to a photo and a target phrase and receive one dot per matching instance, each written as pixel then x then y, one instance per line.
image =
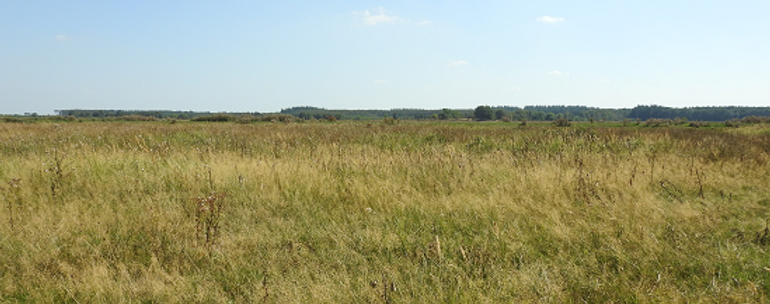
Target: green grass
pixel 357 212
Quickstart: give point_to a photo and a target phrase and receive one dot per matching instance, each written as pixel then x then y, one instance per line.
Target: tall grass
pixel 409 212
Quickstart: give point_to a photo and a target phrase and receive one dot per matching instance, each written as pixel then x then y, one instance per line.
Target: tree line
pixel 482 112
pixel 159 114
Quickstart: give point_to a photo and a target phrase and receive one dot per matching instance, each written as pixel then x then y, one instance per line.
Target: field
pixel 160 212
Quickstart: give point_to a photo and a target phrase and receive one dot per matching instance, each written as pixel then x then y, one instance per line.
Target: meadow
pixel 383 212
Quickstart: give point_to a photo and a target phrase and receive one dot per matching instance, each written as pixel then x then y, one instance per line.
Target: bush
pixel 562 122
pixel 246 118
pixel 138 118
pixel 755 119
pixel 626 122
pixel 12 119
pixel 698 124
pixel 389 121
pixel 657 122
pixel 278 118
pixel 216 117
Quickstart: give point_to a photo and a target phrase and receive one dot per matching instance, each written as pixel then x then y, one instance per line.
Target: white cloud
pixel 549 19
pixel 558 73
pixel 381 81
pixel 457 63
pixel 376 16
pixel 516 89
pixel 62 38
pixel 424 22
pixel 605 81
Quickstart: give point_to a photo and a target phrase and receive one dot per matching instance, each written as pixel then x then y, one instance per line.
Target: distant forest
pixel 531 113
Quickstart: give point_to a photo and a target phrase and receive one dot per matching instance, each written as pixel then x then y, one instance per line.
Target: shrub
pixel 138 118
pixel 626 122
pixel 12 119
pixel 278 118
pixel 562 122
pixel 215 117
pixel 657 122
pixel 698 124
pixel 755 119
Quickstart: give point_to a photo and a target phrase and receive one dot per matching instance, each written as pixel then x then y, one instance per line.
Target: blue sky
pixel 267 55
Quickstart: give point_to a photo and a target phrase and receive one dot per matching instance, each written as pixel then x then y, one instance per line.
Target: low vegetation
pixel 383 212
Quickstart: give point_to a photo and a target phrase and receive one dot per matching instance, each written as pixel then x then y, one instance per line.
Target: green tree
pixel 483 113
pixel 449 114
pixel 499 114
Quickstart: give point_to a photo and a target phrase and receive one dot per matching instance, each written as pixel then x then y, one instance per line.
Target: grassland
pixel 413 212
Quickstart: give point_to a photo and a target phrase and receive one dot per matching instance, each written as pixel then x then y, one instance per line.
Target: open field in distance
pixel 407 212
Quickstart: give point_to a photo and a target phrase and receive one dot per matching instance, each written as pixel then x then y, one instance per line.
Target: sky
pixel 264 56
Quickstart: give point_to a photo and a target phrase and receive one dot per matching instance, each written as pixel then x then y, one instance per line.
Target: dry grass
pixel 345 212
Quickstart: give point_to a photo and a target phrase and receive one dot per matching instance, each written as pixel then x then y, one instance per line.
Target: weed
pixel 208 215
pixel 698 174
pixel 13 187
pixel 586 188
pixel 56 168
pixel 672 190
pixel 763 237
pixel 388 287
